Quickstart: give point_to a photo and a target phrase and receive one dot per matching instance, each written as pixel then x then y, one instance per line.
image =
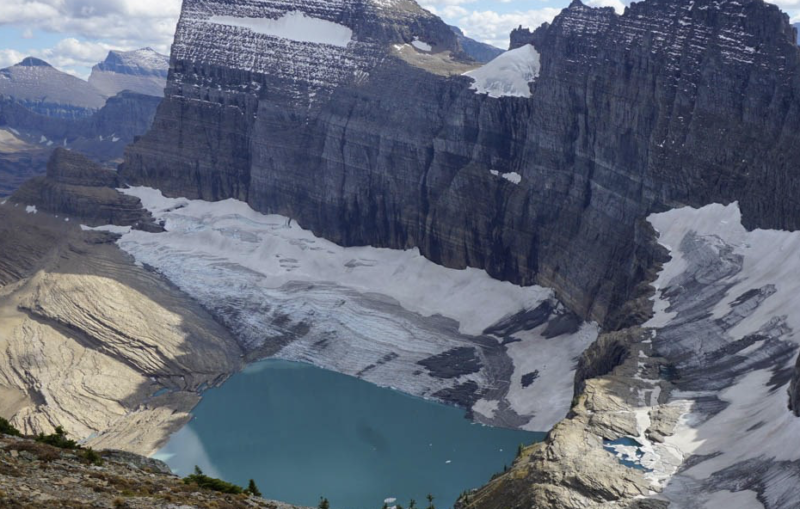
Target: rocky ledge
pixel 82 190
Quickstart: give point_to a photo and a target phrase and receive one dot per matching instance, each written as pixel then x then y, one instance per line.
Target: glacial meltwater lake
pixel 303 432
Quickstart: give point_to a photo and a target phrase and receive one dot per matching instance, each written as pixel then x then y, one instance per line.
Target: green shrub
pixel 92 457
pixel 210 483
pixel 7 429
pixel 58 439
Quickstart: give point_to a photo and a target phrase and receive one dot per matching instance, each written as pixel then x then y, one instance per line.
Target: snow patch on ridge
pixel 513 177
pixel 422 46
pixel 508 75
pixel 295 26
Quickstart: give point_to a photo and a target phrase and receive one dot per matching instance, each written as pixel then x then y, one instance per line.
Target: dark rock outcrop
pixel 794 391
pixel 84 191
pixel 520 37
pixel 609 351
pixel 630 114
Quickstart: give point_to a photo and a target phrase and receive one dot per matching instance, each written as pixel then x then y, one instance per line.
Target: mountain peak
pixel 142 70
pixel 33 62
pixel 128 61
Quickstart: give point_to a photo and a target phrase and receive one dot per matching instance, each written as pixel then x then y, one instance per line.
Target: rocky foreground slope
pixel 36 476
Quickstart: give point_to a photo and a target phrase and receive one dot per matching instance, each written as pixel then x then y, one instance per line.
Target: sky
pixel 74 35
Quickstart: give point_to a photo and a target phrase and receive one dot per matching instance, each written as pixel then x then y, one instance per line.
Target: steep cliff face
pixel 668 104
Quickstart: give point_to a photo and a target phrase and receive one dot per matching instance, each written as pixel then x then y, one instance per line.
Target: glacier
pixel 390 317
pixel 508 75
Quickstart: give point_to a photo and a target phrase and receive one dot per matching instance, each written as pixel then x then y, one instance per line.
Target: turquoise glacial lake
pixel 302 433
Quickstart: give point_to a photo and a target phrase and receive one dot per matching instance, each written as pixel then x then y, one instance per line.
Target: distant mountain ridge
pixel 480 51
pixel 45 90
pixel 143 71
pixel 42 108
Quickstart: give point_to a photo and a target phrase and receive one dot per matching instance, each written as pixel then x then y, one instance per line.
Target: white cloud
pixel 130 24
pixel 618 5
pixel 75 56
pixel 9 57
pixel 90 28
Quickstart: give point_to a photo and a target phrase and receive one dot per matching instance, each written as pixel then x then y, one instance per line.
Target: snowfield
pixel 295 26
pixel 727 311
pixel 508 75
pixel 384 315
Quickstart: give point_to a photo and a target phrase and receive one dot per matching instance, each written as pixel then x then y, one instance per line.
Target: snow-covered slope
pixel 726 321
pixel 391 317
pixel 143 71
pixel 510 74
pixel 46 90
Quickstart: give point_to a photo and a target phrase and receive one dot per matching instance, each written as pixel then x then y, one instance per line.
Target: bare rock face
pixel 80 189
pixel 92 340
pixel 794 390
pixel 573 467
pixel 366 147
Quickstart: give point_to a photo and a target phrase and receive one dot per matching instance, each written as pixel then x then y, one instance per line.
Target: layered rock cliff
pixel 82 190
pixel 668 104
pixel 104 348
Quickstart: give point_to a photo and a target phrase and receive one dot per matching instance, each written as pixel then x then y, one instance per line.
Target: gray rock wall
pixel 630 114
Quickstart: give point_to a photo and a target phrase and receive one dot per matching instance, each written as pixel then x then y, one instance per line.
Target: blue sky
pixel 73 35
